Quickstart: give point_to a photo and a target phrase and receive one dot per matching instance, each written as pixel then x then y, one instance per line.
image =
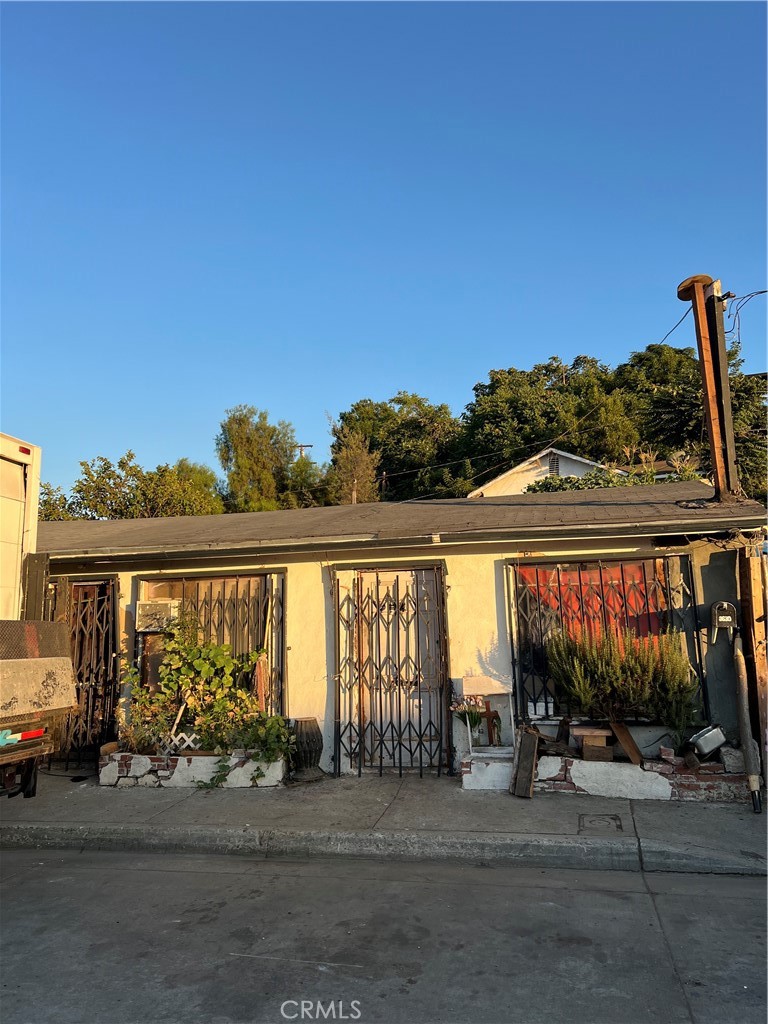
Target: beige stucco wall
pixel 479 657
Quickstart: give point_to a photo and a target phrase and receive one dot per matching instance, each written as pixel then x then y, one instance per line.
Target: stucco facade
pixel 479 613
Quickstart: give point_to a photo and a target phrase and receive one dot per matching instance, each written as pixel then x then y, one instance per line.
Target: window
pixel 245 612
pixel 646 596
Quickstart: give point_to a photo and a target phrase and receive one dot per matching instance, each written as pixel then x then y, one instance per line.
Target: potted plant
pixel 618 676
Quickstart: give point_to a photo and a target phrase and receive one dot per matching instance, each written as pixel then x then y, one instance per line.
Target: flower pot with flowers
pixel 469 709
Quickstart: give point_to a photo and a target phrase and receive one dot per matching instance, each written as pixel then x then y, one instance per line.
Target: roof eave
pixel 687 527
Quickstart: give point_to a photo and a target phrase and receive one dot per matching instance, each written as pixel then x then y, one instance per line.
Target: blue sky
pixel 299 205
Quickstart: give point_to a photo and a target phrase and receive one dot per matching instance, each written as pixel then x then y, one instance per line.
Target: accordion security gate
pixel 391 672
pixel 90 610
pixel 647 596
pixel 245 612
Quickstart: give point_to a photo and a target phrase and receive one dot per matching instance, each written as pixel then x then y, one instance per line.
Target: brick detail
pixel 708 782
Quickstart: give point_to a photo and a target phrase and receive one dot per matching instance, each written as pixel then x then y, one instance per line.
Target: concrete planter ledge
pixel 181 771
pixel 491 768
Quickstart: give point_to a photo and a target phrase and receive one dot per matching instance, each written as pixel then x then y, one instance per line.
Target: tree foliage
pixel 408 447
pixel 124 490
pixel 353 468
pixel 256 458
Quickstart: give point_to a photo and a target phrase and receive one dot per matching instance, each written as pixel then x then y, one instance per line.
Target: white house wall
pixel 516 481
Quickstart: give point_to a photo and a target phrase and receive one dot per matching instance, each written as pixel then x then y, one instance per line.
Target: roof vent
pixel 554 464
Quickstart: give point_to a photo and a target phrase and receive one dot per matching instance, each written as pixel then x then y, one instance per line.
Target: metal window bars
pixel 647 596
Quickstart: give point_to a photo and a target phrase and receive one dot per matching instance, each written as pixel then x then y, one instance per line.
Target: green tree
pixel 125 490
pixel 577 406
pixel 256 457
pixel 411 437
pixel 200 484
pixel 668 395
pixel 107 490
pixel 353 468
pixel 305 486
pixel 54 504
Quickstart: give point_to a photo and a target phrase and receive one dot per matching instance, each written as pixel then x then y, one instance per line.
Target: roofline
pixel 726 523
pixel 520 465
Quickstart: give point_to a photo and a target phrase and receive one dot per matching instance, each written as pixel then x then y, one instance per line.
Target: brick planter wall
pixel 179 771
pixel 669 779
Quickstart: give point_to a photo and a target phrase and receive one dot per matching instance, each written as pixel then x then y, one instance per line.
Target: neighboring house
pixel 662 470
pixel 372 615
pixel 550 462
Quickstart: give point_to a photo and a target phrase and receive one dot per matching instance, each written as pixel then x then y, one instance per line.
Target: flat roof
pixel 679 508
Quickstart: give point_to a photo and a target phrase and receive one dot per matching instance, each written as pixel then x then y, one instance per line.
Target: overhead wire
pixel 739 302
pixel 516 451
pixel 734 312
pixel 504 451
pixel 673 329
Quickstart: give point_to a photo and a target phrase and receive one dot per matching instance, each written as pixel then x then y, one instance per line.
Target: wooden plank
pixel 563 730
pixel 753 610
pixel 34 585
pixel 589 730
pixel 592 753
pixel 594 741
pixel 628 745
pixel 526 765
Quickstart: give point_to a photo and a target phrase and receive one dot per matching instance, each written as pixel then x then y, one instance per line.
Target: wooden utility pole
pixel 705 296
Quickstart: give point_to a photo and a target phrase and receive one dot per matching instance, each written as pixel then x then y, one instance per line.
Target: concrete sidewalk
pixel 393 818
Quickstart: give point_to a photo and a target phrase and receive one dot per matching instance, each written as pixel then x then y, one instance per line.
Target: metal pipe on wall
pixel 748 745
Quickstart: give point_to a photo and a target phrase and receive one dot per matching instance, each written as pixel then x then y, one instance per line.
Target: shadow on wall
pixel 715 579
pixel 328 725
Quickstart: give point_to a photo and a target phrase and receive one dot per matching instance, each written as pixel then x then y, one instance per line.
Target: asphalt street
pixel 125 938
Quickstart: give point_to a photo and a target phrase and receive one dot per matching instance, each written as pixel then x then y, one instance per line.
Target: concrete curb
pixel 544 851
pixel 657 856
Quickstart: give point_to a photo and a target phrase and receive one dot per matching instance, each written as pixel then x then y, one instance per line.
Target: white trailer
pixel 37 684
pixel 19 502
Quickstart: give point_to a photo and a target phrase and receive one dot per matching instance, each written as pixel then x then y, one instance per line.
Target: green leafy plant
pixel 616 676
pixel 674 699
pixel 203 689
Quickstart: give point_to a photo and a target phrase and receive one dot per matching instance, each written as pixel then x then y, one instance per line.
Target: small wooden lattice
pixel 176 742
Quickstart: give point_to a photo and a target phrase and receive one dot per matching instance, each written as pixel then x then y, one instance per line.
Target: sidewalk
pixel 392 818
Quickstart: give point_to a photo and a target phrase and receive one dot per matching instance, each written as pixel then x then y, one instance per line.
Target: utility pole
pixel 302 448
pixel 707 301
pixel 354 491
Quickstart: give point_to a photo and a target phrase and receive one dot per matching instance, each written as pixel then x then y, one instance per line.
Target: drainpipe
pixel 748 745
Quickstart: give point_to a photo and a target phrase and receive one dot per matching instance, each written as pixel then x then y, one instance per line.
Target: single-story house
pixel 374 615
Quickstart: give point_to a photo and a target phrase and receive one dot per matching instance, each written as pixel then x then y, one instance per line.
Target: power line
pixel 734 313
pixel 740 301
pixel 439 465
pixel 673 329
pixel 516 451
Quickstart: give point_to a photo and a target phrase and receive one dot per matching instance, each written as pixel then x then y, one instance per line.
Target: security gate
pixel 90 610
pixel 243 611
pixel 391 672
pixel 647 596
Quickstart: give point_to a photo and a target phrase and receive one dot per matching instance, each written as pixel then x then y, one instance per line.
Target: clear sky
pixel 299 205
